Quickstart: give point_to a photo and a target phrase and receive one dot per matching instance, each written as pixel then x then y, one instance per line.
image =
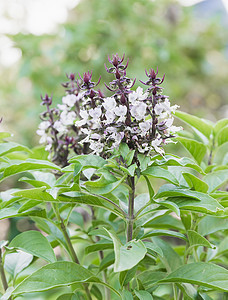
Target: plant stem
pixel 70 246
pixel 130 219
pixel 3 276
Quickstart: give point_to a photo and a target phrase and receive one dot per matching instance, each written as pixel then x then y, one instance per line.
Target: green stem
pixel 70 246
pixel 130 216
pixel 3 276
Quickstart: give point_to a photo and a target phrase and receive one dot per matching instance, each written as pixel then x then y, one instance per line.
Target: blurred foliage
pixel 189 50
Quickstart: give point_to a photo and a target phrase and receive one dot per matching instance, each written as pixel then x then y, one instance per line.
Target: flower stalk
pixel 130 217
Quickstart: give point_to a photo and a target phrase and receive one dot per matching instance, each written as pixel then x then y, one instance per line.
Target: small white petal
pixel 69 100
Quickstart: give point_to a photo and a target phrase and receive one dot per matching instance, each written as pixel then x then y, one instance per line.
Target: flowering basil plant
pixel 132 221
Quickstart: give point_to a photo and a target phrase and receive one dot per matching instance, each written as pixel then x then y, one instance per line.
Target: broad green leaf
pixel 89 161
pixel 126 295
pixel 210 224
pixel 201 125
pixel 61 273
pixel 28 165
pixel 183 198
pixel 27 205
pixel 39 194
pixel 99 246
pixel 159 172
pixel 9 147
pixel 130 157
pixel 150 188
pixel 4 135
pixel 40 179
pixel 196 149
pixel 220 125
pixel 85 198
pixel 173 160
pixel 171 205
pixel 216 179
pixel 96 187
pixel 35 243
pixel 12 212
pixel 128 255
pixel 205 274
pixel 144 161
pixel 170 258
pixel 69 296
pixel 223 246
pixel 143 295
pixel 124 150
pixel 195 239
pixel 107 261
pixel 16 262
pixel 150 278
pixel 195 183
pixel 162 232
pixel 222 136
pixel 151 246
pixel 126 276
pixel 141 201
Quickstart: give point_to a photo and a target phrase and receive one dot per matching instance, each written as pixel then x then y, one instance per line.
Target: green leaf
pixel 126 276
pixel 159 172
pixel 86 198
pixel 128 255
pixel 222 136
pixel 99 246
pixel 201 125
pixel 9 147
pixel 170 258
pixel 96 187
pixel 61 273
pixel 195 239
pixel 210 224
pixel 39 194
pixel 205 274
pixel 107 261
pixel 70 296
pixel 124 150
pixel 162 232
pixel 130 157
pixel 126 295
pixel 28 165
pixel 4 135
pixel 196 149
pixel 220 125
pixel 151 246
pixel 184 199
pixel 150 278
pixel 195 183
pixel 12 212
pixel 150 188
pixel 35 243
pixel 216 179
pixel 16 262
pixel 172 160
pixel 143 295
pixel 89 161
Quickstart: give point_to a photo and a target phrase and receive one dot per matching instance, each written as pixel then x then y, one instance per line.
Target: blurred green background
pixel 41 40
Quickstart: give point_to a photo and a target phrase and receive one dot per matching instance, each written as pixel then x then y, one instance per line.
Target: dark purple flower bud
pixel 123 99
pixel 117 74
pixel 72 76
pixel 87 77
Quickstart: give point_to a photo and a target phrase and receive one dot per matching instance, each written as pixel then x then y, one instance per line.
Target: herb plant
pixel 132 221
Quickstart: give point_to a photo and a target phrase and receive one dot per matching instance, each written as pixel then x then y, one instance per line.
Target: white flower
pixel 85 116
pixel 68 118
pixel 95 136
pixel 95 113
pixel 44 125
pixel 97 147
pixel 137 95
pixel 169 122
pixel 155 143
pixel 165 107
pixel 69 100
pixel 120 111
pixel 138 110
pixel 109 103
pixel 110 116
pixel 173 129
pixel 62 107
pixel 58 125
pixel 40 132
pixel 145 126
pixel 43 138
pixel 49 143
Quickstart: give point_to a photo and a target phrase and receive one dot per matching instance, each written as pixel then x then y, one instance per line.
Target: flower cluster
pixel 141 119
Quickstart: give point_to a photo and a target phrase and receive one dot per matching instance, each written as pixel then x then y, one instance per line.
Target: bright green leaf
pixel 159 172
pixel 216 179
pixel 196 149
pixel 222 136
pixel 195 239
pixel 143 295
pixel 195 183
pixel 205 274
pixel 35 243
pixel 16 262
